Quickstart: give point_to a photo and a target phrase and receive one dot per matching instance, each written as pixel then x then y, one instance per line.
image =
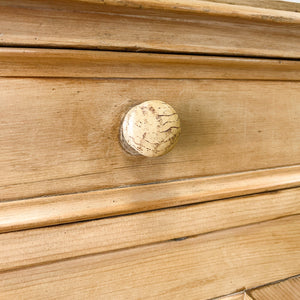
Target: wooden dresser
pixel 218 216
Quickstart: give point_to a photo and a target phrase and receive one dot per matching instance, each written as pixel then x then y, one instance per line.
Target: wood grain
pixel 168 26
pixel 247 297
pixel 231 259
pixel 22 62
pixel 258 11
pixel 62 136
pixel 215 8
pixel 239 296
pixel 271 4
pixel 30 247
pixel 287 289
pixel 46 211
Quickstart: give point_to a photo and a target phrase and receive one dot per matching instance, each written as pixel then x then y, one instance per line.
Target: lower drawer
pixel 196 251
pixel 62 135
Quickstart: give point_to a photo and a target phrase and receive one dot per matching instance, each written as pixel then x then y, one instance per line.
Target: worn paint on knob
pixel 150 129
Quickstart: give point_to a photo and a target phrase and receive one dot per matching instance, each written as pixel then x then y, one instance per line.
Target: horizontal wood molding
pixel 61 135
pixel 44 211
pixel 207 7
pixel 270 4
pixel 214 8
pixel 234 259
pixel 265 11
pixel 22 62
pixel 43 245
pixel 160 26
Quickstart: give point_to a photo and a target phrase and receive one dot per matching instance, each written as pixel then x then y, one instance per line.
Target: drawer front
pixel 62 135
pixel 153 26
pixel 24 248
pixel 167 254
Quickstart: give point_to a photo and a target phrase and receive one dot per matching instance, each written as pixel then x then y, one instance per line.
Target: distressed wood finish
pixel 63 135
pixel 170 26
pixel 22 62
pixel 288 289
pixel 219 216
pixel 192 268
pixel 46 211
pixel 151 129
pixel 43 245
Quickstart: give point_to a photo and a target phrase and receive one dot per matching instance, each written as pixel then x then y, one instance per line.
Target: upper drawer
pixel 164 26
pixel 60 135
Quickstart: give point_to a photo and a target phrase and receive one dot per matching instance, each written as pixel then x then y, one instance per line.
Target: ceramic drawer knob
pixel 150 129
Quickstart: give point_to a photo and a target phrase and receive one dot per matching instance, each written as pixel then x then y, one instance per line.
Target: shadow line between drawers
pixel 51 210
pixel 29 248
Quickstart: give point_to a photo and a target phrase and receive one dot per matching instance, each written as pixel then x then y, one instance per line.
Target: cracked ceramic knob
pixel 150 129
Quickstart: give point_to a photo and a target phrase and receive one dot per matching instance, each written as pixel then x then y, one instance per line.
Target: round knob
pixel 150 129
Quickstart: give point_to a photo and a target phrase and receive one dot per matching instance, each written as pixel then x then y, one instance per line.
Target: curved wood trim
pixel 44 211
pixel 207 8
pixel 43 245
pixel 157 26
pixel 268 10
pixel 267 4
pixel 22 62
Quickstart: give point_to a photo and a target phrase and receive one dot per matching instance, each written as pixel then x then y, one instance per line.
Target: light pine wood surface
pixel 239 296
pixel 159 26
pixel 248 9
pixel 25 248
pixel 286 289
pixel 238 8
pixel 270 4
pixel 46 211
pixel 247 297
pixel 219 216
pixel 22 62
pixel 62 136
pixel 193 267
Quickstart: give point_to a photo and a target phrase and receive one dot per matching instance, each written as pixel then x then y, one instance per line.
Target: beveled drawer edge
pixel 60 63
pixel 208 8
pixel 43 245
pixel 257 13
pixel 233 260
pixel 120 25
pixel 51 210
